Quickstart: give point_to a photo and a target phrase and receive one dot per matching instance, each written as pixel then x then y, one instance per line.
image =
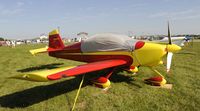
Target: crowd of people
pixel 8 43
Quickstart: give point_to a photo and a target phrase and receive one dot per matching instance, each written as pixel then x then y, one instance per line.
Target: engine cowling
pixel 101 82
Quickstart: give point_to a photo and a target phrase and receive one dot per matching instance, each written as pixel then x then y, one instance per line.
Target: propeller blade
pixel 169 60
pixel 169 35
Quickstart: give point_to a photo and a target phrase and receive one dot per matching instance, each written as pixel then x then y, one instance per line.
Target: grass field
pixel 125 94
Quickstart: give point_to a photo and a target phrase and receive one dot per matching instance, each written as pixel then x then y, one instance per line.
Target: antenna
pixel 58 29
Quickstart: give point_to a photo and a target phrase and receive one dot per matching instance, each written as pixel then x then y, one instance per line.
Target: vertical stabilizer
pixel 55 40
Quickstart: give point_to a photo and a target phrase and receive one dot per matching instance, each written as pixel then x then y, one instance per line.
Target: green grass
pixel 125 94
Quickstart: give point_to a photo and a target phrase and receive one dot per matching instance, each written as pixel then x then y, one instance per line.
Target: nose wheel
pixel 157 80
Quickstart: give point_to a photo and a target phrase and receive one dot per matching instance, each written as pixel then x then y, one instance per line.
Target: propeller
pixel 169 35
pixel 169 60
pixel 169 54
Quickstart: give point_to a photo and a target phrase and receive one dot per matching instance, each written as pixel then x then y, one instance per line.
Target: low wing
pixel 58 73
pixel 90 67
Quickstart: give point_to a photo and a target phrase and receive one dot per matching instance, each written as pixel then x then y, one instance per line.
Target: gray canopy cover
pixel 108 42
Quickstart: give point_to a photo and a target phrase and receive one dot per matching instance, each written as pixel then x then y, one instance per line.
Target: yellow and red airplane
pixel 104 51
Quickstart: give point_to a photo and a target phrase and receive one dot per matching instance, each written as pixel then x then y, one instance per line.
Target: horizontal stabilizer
pixel 40 76
pixel 40 50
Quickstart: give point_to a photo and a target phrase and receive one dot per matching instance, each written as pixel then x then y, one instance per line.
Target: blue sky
pixel 30 18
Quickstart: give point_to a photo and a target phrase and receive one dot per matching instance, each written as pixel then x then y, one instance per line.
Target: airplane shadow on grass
pixel 31 96
pixel 41 67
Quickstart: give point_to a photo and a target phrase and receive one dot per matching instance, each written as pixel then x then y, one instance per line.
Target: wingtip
pixel 30 77
pixel 32 52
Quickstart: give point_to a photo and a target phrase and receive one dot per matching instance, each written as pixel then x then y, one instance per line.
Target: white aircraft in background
pixel 176 40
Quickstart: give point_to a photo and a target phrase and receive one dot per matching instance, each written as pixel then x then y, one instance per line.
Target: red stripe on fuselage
pixel 90 58
pixel 74 48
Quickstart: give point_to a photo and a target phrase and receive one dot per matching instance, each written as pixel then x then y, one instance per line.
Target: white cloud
pixel 171 14
pixel 9 11
pixel 138 5
pixel 187 17
pixel 72 17
pixel 20 4
pixel 160 14
pixel 186 14
pixel 90 8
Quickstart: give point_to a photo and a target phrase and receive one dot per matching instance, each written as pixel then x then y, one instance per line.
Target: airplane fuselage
pixel 153 54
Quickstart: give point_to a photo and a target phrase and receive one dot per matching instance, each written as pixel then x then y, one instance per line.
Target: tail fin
pixel 55 40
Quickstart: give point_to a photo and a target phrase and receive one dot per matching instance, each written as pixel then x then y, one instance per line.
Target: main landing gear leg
pixel 110 73
pixel 156 71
